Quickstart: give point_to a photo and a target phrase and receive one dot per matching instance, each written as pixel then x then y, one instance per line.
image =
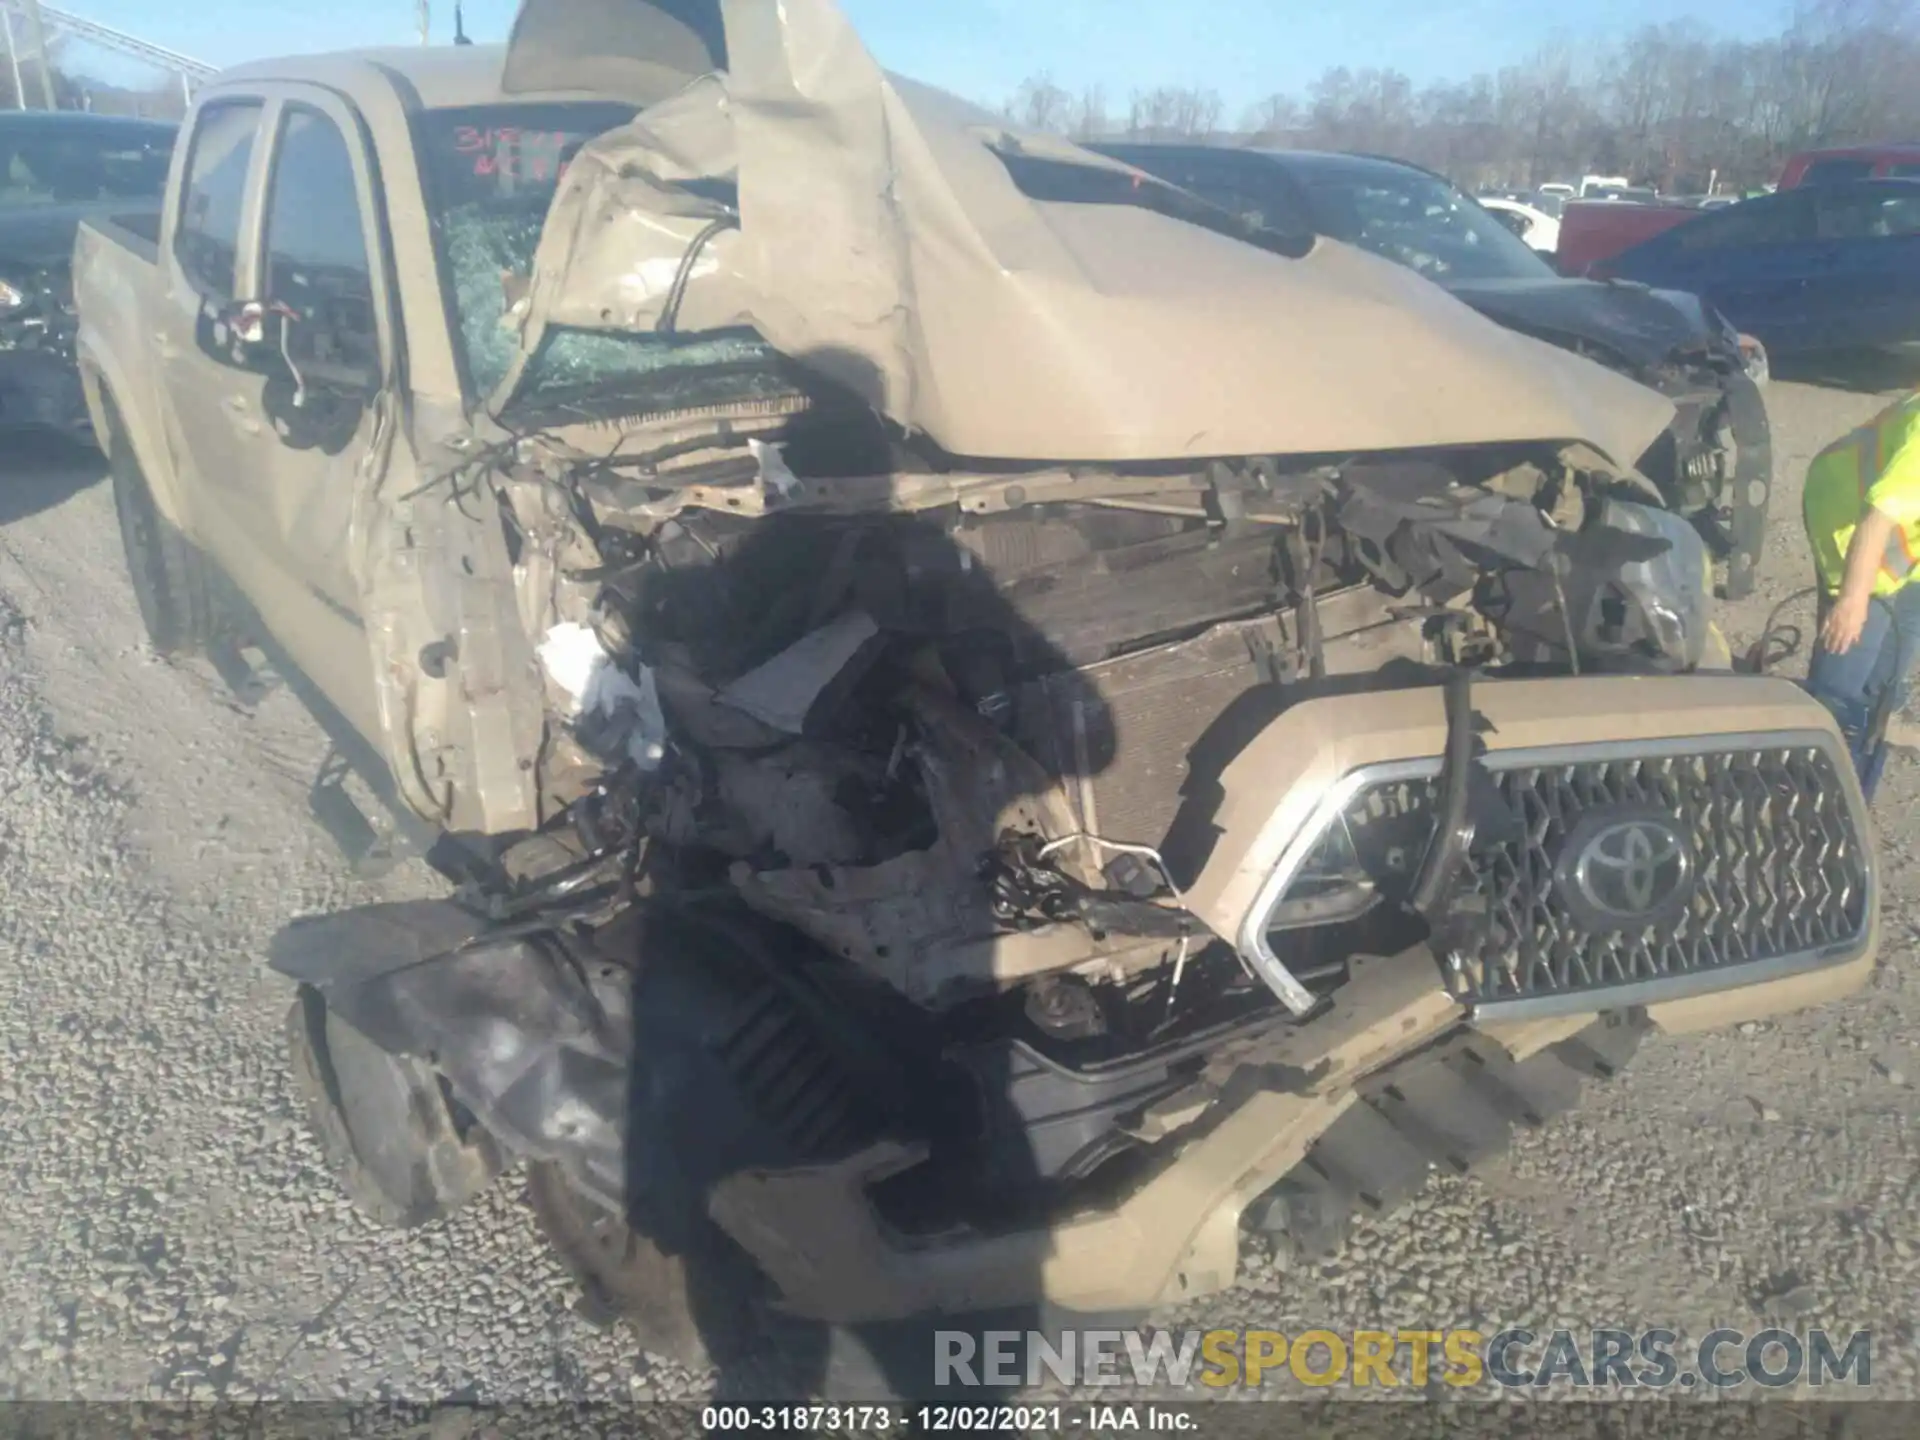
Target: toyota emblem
pixel 1626 871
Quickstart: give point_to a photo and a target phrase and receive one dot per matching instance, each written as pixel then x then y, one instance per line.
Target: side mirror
pixel 247 334
pixel 271 338
pixel 250 320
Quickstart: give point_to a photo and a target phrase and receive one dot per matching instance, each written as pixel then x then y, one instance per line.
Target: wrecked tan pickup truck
pixel 993 726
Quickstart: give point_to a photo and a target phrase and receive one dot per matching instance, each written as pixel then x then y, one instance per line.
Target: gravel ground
pixel 168 1231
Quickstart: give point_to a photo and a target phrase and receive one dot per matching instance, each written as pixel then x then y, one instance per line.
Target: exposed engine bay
pixel 949 725
pixel 1714 464
pixel 957 734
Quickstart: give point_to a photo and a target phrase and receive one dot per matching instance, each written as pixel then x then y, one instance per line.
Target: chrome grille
pixel 1778 872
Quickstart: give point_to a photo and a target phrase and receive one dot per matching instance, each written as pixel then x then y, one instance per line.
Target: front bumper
pixel 41 389
pixel 543 1053
pixel 1177 1235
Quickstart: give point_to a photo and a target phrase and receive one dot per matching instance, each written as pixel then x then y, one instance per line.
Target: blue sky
pixel 984 48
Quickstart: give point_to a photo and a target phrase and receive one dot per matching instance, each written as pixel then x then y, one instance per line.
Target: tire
pixel 1749 541
pixel 738 1077
pixel 704 1010
pixel 169 576
pixel 1752 485
pixel 698 1307
pixel 385 1126
pixel 707 1306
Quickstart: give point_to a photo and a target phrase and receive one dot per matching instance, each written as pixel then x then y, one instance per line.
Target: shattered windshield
pixel 490 172
pixel 1420 221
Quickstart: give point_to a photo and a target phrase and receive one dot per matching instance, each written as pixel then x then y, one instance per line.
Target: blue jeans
pixel 1874 673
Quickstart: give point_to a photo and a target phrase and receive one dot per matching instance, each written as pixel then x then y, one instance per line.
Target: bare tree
pixel 1089 115
pixel 1275 118
pixel 1039 104
pixel 1670 105
pixel 1174 113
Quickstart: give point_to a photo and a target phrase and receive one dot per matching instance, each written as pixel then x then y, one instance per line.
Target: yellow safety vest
pixel 1876 466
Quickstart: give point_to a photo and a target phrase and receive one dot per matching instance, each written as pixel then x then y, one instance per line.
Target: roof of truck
pixel 439 76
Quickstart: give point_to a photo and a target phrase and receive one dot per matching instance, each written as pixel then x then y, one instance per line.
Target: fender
pixel 115 406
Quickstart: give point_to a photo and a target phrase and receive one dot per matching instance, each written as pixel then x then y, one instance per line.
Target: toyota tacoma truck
pixel 990 726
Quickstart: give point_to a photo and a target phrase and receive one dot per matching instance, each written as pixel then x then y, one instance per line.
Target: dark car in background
pixel 1714 464
pixel 1822 267
pixel 58 168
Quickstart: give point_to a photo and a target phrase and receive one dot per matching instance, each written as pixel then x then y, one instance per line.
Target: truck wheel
pixel 736 1075
pixel 733 1074
pixel 1751 486
pixel 169 576
pixel 1749 539
pixel 696 1307
pixel 704 1102
pixel 706 1307
pixel 403 1151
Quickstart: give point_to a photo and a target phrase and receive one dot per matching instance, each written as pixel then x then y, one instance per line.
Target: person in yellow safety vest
pixel 1862 512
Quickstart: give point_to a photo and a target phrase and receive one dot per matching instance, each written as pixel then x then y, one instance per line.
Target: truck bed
pixel 136 231
pixel 116 275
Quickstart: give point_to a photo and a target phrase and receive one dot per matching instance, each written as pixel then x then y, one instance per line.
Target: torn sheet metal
pixel 883 241
pixel 797 690
pixel 539 1050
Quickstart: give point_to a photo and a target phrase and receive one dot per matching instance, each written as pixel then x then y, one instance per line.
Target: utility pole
pixel 13 56
pixel 37 37
pixel 425 29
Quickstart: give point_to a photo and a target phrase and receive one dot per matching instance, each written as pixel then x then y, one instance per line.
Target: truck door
pixel 309 415
pixel 204 264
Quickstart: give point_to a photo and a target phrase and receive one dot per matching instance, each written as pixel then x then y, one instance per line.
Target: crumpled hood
pixel 1641 326
pixel 881 240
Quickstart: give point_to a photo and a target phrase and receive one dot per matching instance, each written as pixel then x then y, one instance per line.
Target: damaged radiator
pixel 1122 735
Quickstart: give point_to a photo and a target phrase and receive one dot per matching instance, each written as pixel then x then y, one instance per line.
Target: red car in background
pixel 1596 230
pixel 1857 162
